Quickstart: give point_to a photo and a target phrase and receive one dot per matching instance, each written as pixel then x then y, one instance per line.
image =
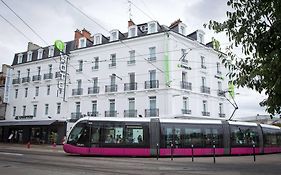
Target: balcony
pixel 186 111
pixel 221 93
pixel 48 76
pixel 25 80
pixel 36 78
pixel 58 75
pixel 186 85
pixel 204 113
pixel 151 84
pixel 221 115
pixel 205 89
pixel 96 67
pixel 24 117
pixel 130 62
pixel 110 113
pixel 130 86
pixel 75 116
pixel 152 112
pixel 16 81
pixel 111 88
pixel 112 65
pixel 93 90
pixel 78 91
pixel 93 113
pixel 130 113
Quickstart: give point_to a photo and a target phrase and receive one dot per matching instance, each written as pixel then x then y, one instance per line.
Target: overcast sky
pixel 56 19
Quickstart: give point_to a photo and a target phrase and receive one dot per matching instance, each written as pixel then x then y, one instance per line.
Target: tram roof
pixel 242 123
pixel 269 126
pixel 117 119
pixel 192 121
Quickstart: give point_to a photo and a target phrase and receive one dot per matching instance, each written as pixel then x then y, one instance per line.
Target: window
pixel 201 38
pixel 152 102
pixel 40 54
pixel 243 136
pixel 152 27
pixel 182 30
pixel 219 85
pixel 94 107
pixel 112 80
pixel 113 60
pixel 14 111
pixel 113 134
pixel 218 68
pixel 113 35
pixel 29 56
pixel 50 68
pixel 16 93
pixel 36 91
pixel 51 51
pixel 25 92
pixel 95 82
pixel 152 75
pixel 132 78
pixel 132 54
pixel 152 54
pixel 221 108
pixel 23 110
pixel 28 73
pixel 97 39
pixel 131 104
pixel 203 64
pixel 82 42
pixel 20 58
pixel 185 103
pixel 79 84
pixel 34 110
pixel 203 81
pixel 48 89
pixel 58 108
pixel 205 107
pixel 39 70
pixel 132 31
pixel 46 109
pixel 184 76
pixel 96 63
pixel 18 74
pixel 112 105
pixel 134 134
pixel 80 66
pixel 64 49
pixel 183 57
pixel 77 104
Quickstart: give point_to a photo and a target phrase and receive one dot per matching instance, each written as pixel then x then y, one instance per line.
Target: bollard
pixel 214 152
pixel 254 152
pixel 172 157
pixel 157 151
pixel 28 145
pixel 192 153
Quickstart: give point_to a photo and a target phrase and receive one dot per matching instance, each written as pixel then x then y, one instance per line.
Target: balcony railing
pixel 111 88
pixel 78 91
pixel 130 113
pixel 110 113
pixel 24 117
pixel 186 85
pixel 221 115
pixel 58 75
pixel 93 113
pixel 36 78
pixel 205 90
pixel 96 67
pixel 112 65
pixel 151 84
pixel 221 93
pixel 204 113
pixel 25 80
pixel 93 90
pixel 130 86
pixel 16 81
pixel 131 62
pixel 48 76
pixel 75 116
pixel 186 111
pixel 152 112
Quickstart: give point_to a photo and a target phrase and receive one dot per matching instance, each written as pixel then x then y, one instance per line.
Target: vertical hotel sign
pixel 62 67
pixel 8 84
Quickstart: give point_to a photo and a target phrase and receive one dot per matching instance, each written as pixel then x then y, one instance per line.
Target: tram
pixel 164 137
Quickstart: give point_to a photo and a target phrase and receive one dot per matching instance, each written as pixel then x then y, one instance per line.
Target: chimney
pixel 131 23
pixel 32 46
pixel 86 34
pixel 77 35
pixel 175 23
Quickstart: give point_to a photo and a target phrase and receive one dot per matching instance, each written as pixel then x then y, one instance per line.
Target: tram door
pixel 154 133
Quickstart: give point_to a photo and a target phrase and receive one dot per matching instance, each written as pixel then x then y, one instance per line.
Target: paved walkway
pixel 32 147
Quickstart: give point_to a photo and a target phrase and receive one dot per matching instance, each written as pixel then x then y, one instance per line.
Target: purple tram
pixel 165 137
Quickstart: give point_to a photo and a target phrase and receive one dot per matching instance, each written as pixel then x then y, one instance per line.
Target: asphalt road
pixel 52 161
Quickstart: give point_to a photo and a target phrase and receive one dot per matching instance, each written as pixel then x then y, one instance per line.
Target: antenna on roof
pixel 130 9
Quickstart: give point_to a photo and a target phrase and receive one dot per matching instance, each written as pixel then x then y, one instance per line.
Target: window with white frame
pixel 185 103
pixel 46 109
pixel 205 106
pixel 201 38
pixel 183 55
pixel 78 107
pixel 51 51
pixel 82 42
pixel 18 74
pixel 219 85
pixel 58 108
pixel 94 107
pixel 14 111
pixel 203 62
pixel 25 92
pixel 16 93
pixel 114 35
pixel 50 68
pixel 111 105
pixel 48 89
pixel 36 91
pixel 23 110
pixel 40 53
pixel 113 60
pixel 152 54
pixel 218 68
pixel 152 27
pixel 64 49
pixel 182 29
pixel 184 76
pixel 20 58
pixel 203 81
pixel 97 39
pixel 221 108
pixel 96 63
pixel 29 56
pixel 152 102
pixel 28 72
pixel 132 31
pixel 131 104
pixel 132 57
pixel 34 110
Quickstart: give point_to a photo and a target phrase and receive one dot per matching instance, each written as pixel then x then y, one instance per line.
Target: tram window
pixel 212 136
pixel 244 136
pixel 192 136
pixel 270 137
pixel 177 138
pixel 112 134
pixel 134 135
pixel 95 135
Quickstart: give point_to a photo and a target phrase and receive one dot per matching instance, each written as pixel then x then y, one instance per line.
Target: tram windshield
pixel 79 135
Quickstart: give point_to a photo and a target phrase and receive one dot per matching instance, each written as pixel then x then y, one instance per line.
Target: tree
pixel 256 26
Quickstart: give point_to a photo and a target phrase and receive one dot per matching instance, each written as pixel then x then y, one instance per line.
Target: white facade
pixel 166 82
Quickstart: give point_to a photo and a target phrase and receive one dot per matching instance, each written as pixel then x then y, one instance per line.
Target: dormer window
pixel 20 58
pixel 182 29
pixel 29 56
pixel 40 54
pixel 114 35
pixel 97 39
pixel 132 31
pixel 200 36
pixel 64 50
pixel 82 42
pixel 152 27
pixel 51 51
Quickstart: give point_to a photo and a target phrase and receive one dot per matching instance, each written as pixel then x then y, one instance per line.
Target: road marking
pixel 13 154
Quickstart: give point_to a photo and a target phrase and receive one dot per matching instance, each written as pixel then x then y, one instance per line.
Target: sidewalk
pixel 31 147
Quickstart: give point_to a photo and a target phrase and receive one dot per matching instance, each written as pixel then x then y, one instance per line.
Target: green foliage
pixel 256 26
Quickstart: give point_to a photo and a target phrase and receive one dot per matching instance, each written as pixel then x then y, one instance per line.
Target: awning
pixel 28 123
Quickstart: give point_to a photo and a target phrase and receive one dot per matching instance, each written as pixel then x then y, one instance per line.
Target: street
pixel 37 161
